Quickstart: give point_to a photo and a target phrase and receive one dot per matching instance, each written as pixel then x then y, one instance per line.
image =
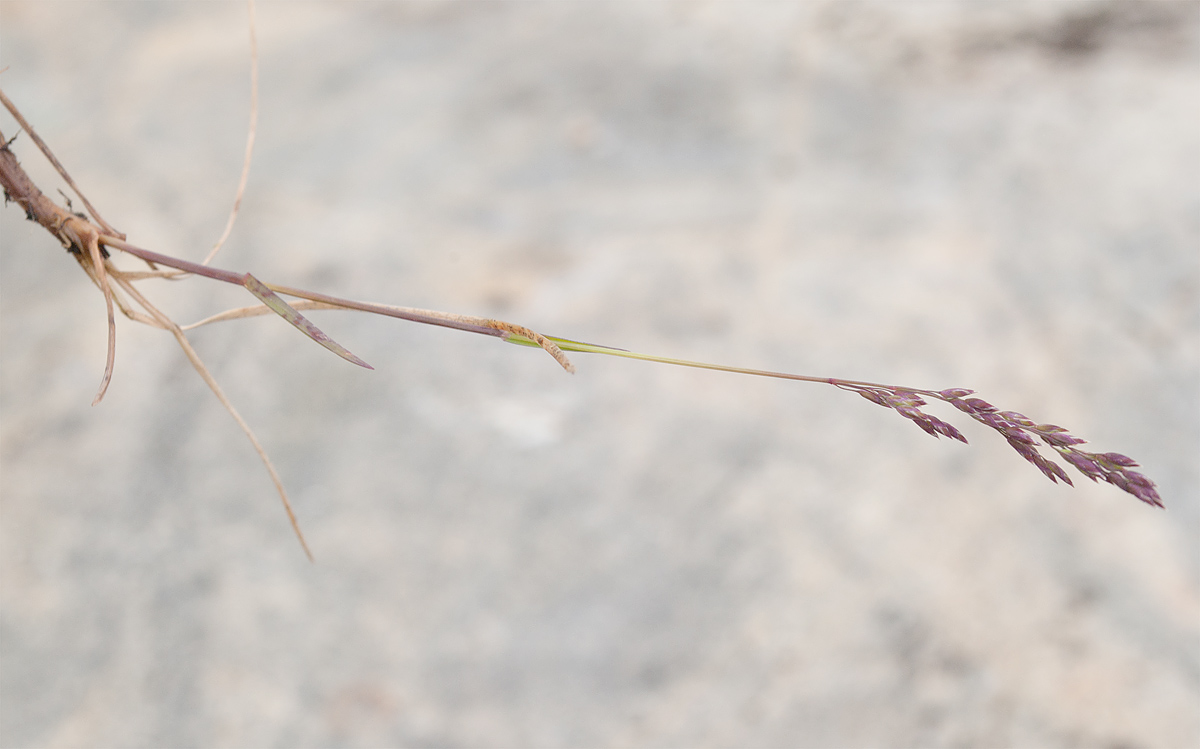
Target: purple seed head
pixel 952 393
pixel 1020 432
pixel 947 429
pixel 1117 478
pixel 1016 435
pixel 903 398
pixel 1015 418
pixel 918 417
pixel 926 425
pixel 1060 439
pixel 1146 492
pixel 874 397
pixel 1086 465
pixel 991 420
pixel 1138 479
pixel 1052 470
pixel 1026 451
pixel 1118 459
pixel 1060 472
pixel 979 405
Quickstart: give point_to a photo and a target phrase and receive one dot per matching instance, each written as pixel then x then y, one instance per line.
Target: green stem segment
pixel 591 348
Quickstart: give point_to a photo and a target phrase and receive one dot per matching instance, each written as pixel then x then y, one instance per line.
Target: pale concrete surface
pixel 1003 197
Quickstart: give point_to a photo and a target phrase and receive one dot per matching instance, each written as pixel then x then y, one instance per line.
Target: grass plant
pixel 89 239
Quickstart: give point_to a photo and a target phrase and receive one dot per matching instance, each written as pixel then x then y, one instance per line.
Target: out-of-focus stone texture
pixel 997 196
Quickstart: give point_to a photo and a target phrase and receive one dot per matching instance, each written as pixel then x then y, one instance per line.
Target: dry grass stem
pixel 101 279
pixel 256 311
pixel 209 380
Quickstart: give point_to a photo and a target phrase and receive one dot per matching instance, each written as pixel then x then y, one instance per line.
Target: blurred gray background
pixel 1004 197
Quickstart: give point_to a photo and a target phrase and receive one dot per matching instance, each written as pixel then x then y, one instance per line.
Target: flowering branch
pixel 1022 434
pixel 1017 429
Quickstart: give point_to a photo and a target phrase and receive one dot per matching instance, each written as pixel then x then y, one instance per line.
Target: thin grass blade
pixel 289 313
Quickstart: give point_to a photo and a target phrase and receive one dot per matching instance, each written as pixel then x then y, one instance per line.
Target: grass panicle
pixel 1021 433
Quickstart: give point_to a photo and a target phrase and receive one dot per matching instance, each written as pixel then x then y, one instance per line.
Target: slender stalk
pixel 592 348
pixel 209 380
pixel 172 262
